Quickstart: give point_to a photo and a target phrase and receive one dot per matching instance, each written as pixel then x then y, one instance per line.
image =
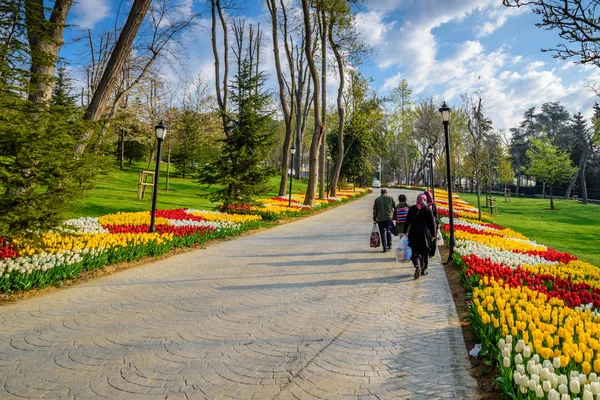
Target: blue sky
pixel 442 47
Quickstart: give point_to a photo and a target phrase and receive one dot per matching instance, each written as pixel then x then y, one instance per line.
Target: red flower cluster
pixel 7 250
pixel 178 213
pixel 161 228
pixel 551 255
pixel 472 230
pixel 573 294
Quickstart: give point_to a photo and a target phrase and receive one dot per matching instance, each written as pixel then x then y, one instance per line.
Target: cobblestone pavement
pixel 305 310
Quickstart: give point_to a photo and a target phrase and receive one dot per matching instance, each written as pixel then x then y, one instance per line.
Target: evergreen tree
pixel 241 166
pixel 62 96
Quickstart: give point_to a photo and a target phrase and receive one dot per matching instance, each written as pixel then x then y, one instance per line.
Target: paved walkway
pixel 304 310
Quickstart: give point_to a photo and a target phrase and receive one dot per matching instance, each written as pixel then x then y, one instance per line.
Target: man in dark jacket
pixel 383 213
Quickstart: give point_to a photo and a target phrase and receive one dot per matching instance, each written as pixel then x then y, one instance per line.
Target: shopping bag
pixel 439 239
pixel 375 239
pixel 403 252
pixel 393 228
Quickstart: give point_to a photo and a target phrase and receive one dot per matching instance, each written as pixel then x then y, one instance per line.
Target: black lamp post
pixel 445 111
pixel 328 179
pixel 161 131
pixel 430 157
pixel 292 151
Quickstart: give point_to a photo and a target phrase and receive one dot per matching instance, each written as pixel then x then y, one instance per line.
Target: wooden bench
pixel 491 204
pixel 143 182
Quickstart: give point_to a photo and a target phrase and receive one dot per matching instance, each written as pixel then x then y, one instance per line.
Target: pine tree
pixel 241 167
pixel 62 93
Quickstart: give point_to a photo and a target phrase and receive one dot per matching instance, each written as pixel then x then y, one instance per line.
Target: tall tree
pixel 319 128
pixel 548 164
pixel 113 68
pixel 583 145
pixel 45 41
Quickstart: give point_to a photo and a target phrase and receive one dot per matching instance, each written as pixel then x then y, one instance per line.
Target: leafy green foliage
pixel 547 163
pixel 39 171
pixel 241 166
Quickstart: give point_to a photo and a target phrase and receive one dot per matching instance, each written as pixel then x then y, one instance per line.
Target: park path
pixel 304 310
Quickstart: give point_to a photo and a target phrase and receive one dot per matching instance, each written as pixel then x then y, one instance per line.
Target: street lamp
pixel 292 151
pixel 161 131
pixel 430 157
pixel 445 111
pixel 328 179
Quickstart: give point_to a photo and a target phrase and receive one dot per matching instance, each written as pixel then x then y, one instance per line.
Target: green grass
pixel 572 227
pixel 117 191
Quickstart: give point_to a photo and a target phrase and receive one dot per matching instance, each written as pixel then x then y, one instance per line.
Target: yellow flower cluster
pixel 545 324
pixel 499 242
pixel 54 242
pixel 224 217
pixel 131 219
pixel 576 270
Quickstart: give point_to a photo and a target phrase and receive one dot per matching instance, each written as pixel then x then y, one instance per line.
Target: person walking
pixel 400 214
pixel 383 213
pixel 420 228
pixel 433 208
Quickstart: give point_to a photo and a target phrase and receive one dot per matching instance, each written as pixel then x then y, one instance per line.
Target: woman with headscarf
pixel 433 208
pixel 420 228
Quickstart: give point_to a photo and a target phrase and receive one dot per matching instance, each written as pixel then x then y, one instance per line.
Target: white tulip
pixel 518 359
pixel 565 397
pixel 562 388
pixel 595 387
pixel 509 339
pixel 587 395
pixel 582 379
pixel 506 362
pixel 553 395
pixel 575 386
pixel 536 378
pixel 532 385
pixel 539 393
pixel 536 358
pixel 516 377
pixel 501 343
pixel 562 379
pixel 593 377
pixel 520 345
pixel 523 389
pixel 527 352
pixel 521 369
pixel 546 386
pixel 524 381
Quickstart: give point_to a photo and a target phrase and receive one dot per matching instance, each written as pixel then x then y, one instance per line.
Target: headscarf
pixel 429 197
pixel 421 201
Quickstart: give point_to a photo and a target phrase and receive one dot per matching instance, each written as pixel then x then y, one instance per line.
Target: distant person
pixel 434 211
pixel 400 214
pixel 420 228
pixel 383 214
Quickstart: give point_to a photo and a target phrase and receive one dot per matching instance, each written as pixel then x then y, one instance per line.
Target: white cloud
pixel 371 27
pixel 88 12
pixel 495 19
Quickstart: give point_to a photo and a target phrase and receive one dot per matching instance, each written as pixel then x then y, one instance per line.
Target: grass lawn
pixel 572 227
pixel 117 191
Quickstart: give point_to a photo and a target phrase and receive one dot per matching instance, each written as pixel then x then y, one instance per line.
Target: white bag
pixel 403 252
pixel 439 238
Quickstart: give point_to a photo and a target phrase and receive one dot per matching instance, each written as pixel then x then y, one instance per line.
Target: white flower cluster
pixel 539 377
pixel 589 307
pixel 462 222
pixel 506 257
pixel 45 261
pixel 82 225
pixel 195 210
pixel 212 224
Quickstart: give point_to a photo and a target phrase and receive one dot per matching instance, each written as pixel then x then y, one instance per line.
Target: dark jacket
pixel 383 208
pixel 420 227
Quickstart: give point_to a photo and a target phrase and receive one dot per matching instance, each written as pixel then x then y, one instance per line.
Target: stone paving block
pixel 305 310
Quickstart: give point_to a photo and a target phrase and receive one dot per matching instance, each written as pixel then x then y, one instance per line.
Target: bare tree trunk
pixel 581 166
pixel 341 114
pixel 323 147
pixel 287 111
pixel 313 168
pixel 122 155
pixel 551 198
pixel 583 184
pixel 115 63
pixel 478 200
pixel 222 93
pixel 45 39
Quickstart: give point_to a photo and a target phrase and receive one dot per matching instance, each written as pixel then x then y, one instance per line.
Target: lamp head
pixel 160 130
pixel 445 111
pixel 293 150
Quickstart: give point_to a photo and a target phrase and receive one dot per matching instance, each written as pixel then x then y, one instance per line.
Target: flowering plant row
pixel 89 243
pixel 536 310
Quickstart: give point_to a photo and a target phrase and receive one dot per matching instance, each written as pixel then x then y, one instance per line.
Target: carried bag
pixel 393 228
pixel 439 238
pixel 403 252
pixel 375 238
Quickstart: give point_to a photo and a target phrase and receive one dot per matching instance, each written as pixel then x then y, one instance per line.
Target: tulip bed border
pixel 536 311
pixel 93 243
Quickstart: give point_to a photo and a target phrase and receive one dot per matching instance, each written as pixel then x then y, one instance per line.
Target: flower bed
pixel 90 243
pixel 536 310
